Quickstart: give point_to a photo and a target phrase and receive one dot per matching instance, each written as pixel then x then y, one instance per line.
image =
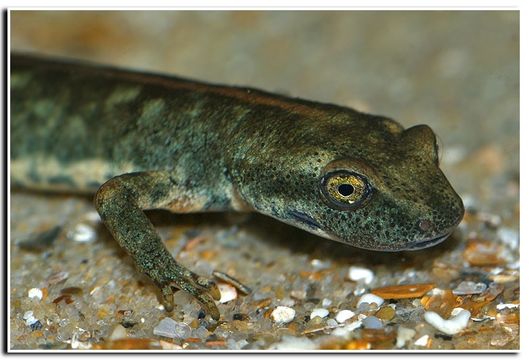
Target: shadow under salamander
pixel 297 241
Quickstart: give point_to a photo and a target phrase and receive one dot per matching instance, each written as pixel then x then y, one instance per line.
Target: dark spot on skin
pixel 425 225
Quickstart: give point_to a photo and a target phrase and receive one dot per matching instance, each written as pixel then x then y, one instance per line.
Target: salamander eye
pixel 345 190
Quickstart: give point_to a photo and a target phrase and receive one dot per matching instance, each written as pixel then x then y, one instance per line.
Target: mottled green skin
pixel 222 148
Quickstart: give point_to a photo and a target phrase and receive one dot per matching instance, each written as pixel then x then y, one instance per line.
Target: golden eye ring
pixel 345 190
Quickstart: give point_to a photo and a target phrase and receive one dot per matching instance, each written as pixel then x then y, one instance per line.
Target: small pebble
pixel 298 294
pixel 332 323
pixel 469 288
pixel 451 326
pixel 37 325
pixel 228 293
pixel 283 314
pixel 422 341
pixel 119 332
pixel 93 217
pixel 319 312
pixel 82 233
pixel 509 237
pixel 470 202
pixel 172 329
pixel 360 274
pixel 35 293
pixel 387 312
pixel 359 291
pixel 57 277
pixel 369 299
pixel 341 332
pixel 403 335
pixel 182 330
pixel 326 302
pixel 344 315
pixel 319 264
pixel 353 325
pixel 287 302
pixel 371 322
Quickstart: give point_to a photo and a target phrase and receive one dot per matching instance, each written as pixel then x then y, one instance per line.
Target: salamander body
pixel 142 141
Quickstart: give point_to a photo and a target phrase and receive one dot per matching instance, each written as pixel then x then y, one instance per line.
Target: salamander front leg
pixel 120 203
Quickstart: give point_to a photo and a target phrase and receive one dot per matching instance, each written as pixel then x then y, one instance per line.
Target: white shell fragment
pixel 422 341
pixel 507 306
pixel 369 299
pixel 403 335
pixel 319 312
pixel 283 314
pixel 344 315
pixel 469 288
pixel 35 293
pixel 228 292
pixel 360 274
pixel 29 318
pixel 451 326
pixel 82 233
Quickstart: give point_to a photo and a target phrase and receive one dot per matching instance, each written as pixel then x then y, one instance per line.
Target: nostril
pixel 425 225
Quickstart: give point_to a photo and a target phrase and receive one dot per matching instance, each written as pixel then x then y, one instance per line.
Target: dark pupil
pixel 345 189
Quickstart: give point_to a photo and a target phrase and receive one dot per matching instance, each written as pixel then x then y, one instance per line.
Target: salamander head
pixel 364 182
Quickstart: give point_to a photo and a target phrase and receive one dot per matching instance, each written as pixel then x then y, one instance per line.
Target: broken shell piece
pixel 360 274
pixel 422 341
pixel 370 298
pixel 319 312
pixel 451 326
pixel 507 306
pixel 29 318
pixel 35 293
pixel 172 329
pixel 283 314
pixel 228 293
pixel 403 291
pixel 344 315
pixel 469 288
pixel 403 335
pixel 119 332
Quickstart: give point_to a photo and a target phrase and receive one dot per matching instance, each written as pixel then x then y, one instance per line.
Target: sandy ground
pixel 458 72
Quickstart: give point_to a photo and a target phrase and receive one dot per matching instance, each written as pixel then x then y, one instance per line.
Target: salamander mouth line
pixel 423 244
pixel 305 219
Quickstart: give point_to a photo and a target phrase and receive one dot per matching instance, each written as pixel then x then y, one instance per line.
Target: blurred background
pixel 455 71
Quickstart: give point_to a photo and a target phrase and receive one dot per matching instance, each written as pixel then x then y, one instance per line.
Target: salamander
pixel 150 141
